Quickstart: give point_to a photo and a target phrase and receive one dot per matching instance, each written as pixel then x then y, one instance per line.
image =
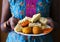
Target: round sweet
pixel 25 23
pixel 37 30
pixel 26 30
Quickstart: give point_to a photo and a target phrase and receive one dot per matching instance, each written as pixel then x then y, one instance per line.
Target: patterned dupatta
pixel 31 7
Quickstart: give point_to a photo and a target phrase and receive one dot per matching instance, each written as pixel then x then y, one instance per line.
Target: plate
pixel 45 32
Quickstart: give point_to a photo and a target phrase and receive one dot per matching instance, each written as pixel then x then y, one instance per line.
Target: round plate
pixel 45 32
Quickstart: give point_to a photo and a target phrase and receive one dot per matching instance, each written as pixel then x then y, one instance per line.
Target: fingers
pixel 8 23
pixel 13 22
pixel 12 26
pixel 50 22
pixel 5 27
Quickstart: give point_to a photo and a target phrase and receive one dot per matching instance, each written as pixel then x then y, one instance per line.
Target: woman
pixel 19 9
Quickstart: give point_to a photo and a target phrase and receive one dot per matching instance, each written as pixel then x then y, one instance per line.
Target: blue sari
pixel 20 9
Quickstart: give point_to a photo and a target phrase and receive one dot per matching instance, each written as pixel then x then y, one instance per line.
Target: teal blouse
pixel 20 9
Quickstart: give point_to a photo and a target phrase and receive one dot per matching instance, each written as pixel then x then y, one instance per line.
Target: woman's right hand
pixel 12 22
pixel 5 27
pixel 9 25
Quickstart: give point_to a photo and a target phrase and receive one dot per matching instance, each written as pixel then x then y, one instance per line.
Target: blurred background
pixel 54 13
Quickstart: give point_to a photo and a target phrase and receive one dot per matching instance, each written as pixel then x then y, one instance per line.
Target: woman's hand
pixel 12 21
pixel 50 22
pixel 5 27
pixel 10 24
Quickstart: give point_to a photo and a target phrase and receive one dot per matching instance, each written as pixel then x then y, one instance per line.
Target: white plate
pixel 35 34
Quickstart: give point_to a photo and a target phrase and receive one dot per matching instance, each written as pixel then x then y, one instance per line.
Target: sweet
pixel 26 18
pixel 43 20
pixel 35 17
pixel 34 25
pixel 37 30
pixel 43 27
pixel 18 28
pixel 25 23
pixel 26 30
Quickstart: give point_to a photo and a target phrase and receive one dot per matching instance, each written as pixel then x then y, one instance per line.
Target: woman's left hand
pixel 50 22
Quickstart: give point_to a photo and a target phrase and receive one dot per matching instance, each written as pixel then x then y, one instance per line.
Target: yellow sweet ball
pixel 26 30
pixel 37 30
